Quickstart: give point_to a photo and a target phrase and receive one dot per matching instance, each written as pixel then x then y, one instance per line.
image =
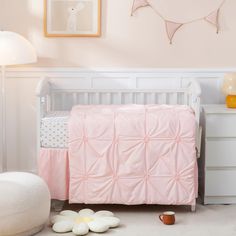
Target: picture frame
pixel 72 18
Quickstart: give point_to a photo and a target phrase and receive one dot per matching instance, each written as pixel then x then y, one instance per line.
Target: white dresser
pixel 218 179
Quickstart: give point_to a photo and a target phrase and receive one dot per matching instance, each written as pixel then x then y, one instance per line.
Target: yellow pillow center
pixel 83 220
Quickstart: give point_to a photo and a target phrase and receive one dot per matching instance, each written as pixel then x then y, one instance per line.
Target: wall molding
pixel 36 72
pixel 210 79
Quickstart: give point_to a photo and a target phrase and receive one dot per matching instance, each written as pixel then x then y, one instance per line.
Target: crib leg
pixel 193 208
pixel 57 205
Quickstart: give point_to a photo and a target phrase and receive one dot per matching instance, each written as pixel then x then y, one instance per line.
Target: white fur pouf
pixel 24 204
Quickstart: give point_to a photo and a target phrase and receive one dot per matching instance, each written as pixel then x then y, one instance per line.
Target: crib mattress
pixel 54 131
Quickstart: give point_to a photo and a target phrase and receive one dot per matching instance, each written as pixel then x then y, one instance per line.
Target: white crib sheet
pixel 54 131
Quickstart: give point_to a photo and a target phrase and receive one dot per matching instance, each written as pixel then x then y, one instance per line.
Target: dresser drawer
pixel 220 182
pixel 221 125
pixel 221 153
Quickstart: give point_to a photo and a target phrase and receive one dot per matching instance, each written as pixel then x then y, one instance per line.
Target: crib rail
pixel 66 99
pixel 51 97
pixel 61 94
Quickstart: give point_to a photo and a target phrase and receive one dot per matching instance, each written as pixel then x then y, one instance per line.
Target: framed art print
pixel 72 18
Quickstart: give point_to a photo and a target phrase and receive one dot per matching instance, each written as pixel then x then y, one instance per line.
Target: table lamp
pixel 14 50
pixel 229 89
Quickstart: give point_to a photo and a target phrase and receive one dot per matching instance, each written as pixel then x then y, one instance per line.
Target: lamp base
pixel 231 101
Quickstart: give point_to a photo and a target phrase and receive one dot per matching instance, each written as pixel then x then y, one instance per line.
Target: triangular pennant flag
pixel 171 28
pixel 139 3
pixel 213 19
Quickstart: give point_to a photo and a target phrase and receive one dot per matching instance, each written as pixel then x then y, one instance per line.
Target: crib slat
pixel 120 98
pixel 97 98
pixel 142 98
pixel 48 103
pixel 173 99
pixel 156 99
pixel 63 101
pixel 85 98
pixel 163 98
pixel 53 101
pixel 75 98
pixel 185 98
pixel 108 98
pixel 134 99
pixel 130 95
pixel 151 98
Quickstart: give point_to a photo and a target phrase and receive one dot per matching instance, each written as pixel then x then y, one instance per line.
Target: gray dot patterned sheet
pixel 54 130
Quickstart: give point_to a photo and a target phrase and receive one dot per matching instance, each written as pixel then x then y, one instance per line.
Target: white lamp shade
pixel 15 49
pixel 229 84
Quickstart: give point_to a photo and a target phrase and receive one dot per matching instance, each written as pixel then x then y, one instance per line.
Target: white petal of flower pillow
pixel 80 229
pixel 98 226
pixel 111 221
pixel 81 222
pixel 63 226
pixel 103 213
pixel 86 212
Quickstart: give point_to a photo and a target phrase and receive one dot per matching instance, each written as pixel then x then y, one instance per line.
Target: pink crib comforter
pixel 132 154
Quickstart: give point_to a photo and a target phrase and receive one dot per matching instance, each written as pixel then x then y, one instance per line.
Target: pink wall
pixel 138 41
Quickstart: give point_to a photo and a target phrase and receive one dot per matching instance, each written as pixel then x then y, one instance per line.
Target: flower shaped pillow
pixel 81 222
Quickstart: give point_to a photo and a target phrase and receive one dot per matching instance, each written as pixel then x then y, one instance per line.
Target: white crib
pixel 99 87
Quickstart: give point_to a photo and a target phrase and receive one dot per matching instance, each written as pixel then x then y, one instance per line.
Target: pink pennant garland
pixel 213 19
pixel 138 4
pixel 171 29
pixel 171 26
